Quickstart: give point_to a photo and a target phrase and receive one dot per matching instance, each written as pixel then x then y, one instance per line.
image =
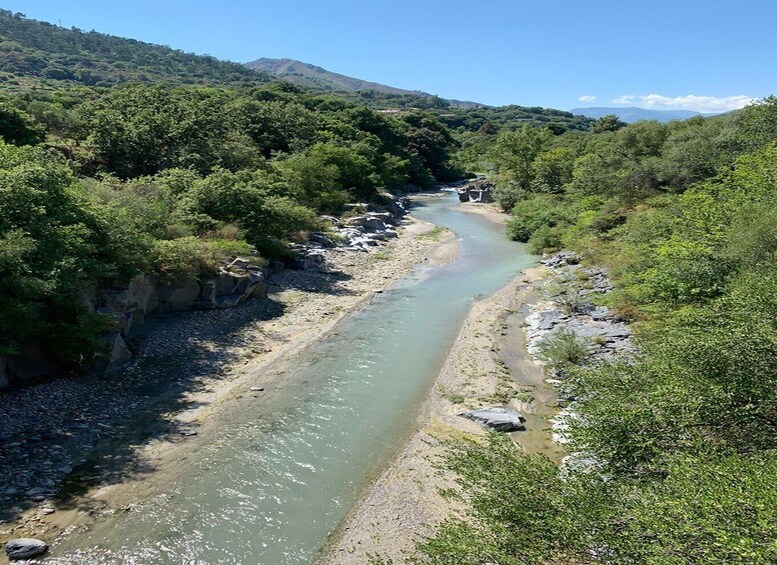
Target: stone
pixel 356 221
pixel 321 239
pixel 229 301
pixel 374 224
pixel 24 548
pixel 314 262
pixel 179 298
pixel 257 388
pixel 497 418
pixel 226 283
pixel 116 349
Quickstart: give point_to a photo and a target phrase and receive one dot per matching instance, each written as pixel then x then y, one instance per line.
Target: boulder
pixel 24 548
pixel 247 283
pixel 374 224
pixel 497 418
pixel 208 294
pixel 229 301
pixel 32 361
pixel 116 349
pixel 356 221
pixel 314 262
pixel 179 298
pixel 321 239
pixel 226 283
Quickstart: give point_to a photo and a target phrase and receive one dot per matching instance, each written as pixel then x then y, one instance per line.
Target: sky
pixel 704 55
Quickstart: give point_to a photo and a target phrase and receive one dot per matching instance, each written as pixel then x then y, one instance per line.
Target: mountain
pixel 631 115
pixel 32 50
pixel 311 76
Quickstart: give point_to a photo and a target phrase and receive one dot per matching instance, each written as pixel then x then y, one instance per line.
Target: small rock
pixel 257 388
pixel 23 548
pixel 497 418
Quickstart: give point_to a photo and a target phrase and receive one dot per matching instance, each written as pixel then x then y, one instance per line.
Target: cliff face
pixel 125 308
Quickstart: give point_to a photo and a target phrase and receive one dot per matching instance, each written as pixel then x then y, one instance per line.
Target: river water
pixel 283 468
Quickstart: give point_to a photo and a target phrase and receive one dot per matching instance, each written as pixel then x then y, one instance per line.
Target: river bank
pixel 487 365
pixel 77 448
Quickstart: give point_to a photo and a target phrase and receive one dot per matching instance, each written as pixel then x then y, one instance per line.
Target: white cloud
pixel 587 98
pixel 689 102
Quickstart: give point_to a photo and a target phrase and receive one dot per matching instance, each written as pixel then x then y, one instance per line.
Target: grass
pixel 381 255
pixel 433 234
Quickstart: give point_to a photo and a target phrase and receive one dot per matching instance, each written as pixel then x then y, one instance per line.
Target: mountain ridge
pixel 635 114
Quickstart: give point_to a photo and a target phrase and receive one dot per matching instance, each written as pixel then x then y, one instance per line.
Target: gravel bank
pixel 68 443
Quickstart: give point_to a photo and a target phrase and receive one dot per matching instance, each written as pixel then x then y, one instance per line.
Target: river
pixel 282 469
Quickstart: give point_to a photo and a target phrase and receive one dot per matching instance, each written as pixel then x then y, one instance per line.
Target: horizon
pixel 488 66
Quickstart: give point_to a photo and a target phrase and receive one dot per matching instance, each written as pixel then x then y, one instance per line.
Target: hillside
pixel 631 115
pixel 311 76
pixel 32 50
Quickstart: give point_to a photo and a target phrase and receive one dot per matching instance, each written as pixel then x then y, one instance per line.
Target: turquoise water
pixel 283 469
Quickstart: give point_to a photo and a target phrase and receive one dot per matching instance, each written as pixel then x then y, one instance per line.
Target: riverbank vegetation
pixel 676 447
pixel 100 183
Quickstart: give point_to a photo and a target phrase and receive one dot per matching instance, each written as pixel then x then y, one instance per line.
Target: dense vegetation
pixel 50 54
pixel 97 184
pixel 677 446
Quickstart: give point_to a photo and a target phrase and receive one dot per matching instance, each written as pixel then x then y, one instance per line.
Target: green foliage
pixel 531 214
pixel 17 127
pixel 563 348
pixel 677 443
pixel 610 122
pixel 55 54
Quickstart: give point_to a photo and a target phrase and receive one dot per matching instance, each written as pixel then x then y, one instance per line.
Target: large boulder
pixel 497 418
pixel 374 224
pixel 32 361
pixel 321 239
pixel 116 349
pixel 24 548
pixel 226 283
pixel 179 298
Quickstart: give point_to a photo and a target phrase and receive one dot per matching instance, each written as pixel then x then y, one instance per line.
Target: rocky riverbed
pixel 493 378
pixel 67 439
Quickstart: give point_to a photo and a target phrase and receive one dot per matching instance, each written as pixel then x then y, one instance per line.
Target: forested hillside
pixel 679 444
pixel 31 49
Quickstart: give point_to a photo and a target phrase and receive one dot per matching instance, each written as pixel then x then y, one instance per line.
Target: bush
pixel 530 214
pixel 562 348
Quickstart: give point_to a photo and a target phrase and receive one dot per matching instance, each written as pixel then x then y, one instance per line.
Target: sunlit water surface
pixel 281 475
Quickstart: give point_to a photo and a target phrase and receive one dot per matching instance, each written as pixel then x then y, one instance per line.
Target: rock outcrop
pixel 124 309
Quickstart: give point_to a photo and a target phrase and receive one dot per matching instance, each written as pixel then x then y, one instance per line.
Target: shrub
pixel 563 347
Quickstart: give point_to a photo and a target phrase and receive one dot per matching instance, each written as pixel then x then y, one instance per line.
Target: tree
pixel 17 127
pixel 610 122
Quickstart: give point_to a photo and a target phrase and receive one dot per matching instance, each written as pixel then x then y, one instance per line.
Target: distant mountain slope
pixel 31 49
pixel 631 115
pixel 311 76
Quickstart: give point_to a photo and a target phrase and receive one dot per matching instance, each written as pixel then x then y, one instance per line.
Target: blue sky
pixel 707 55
